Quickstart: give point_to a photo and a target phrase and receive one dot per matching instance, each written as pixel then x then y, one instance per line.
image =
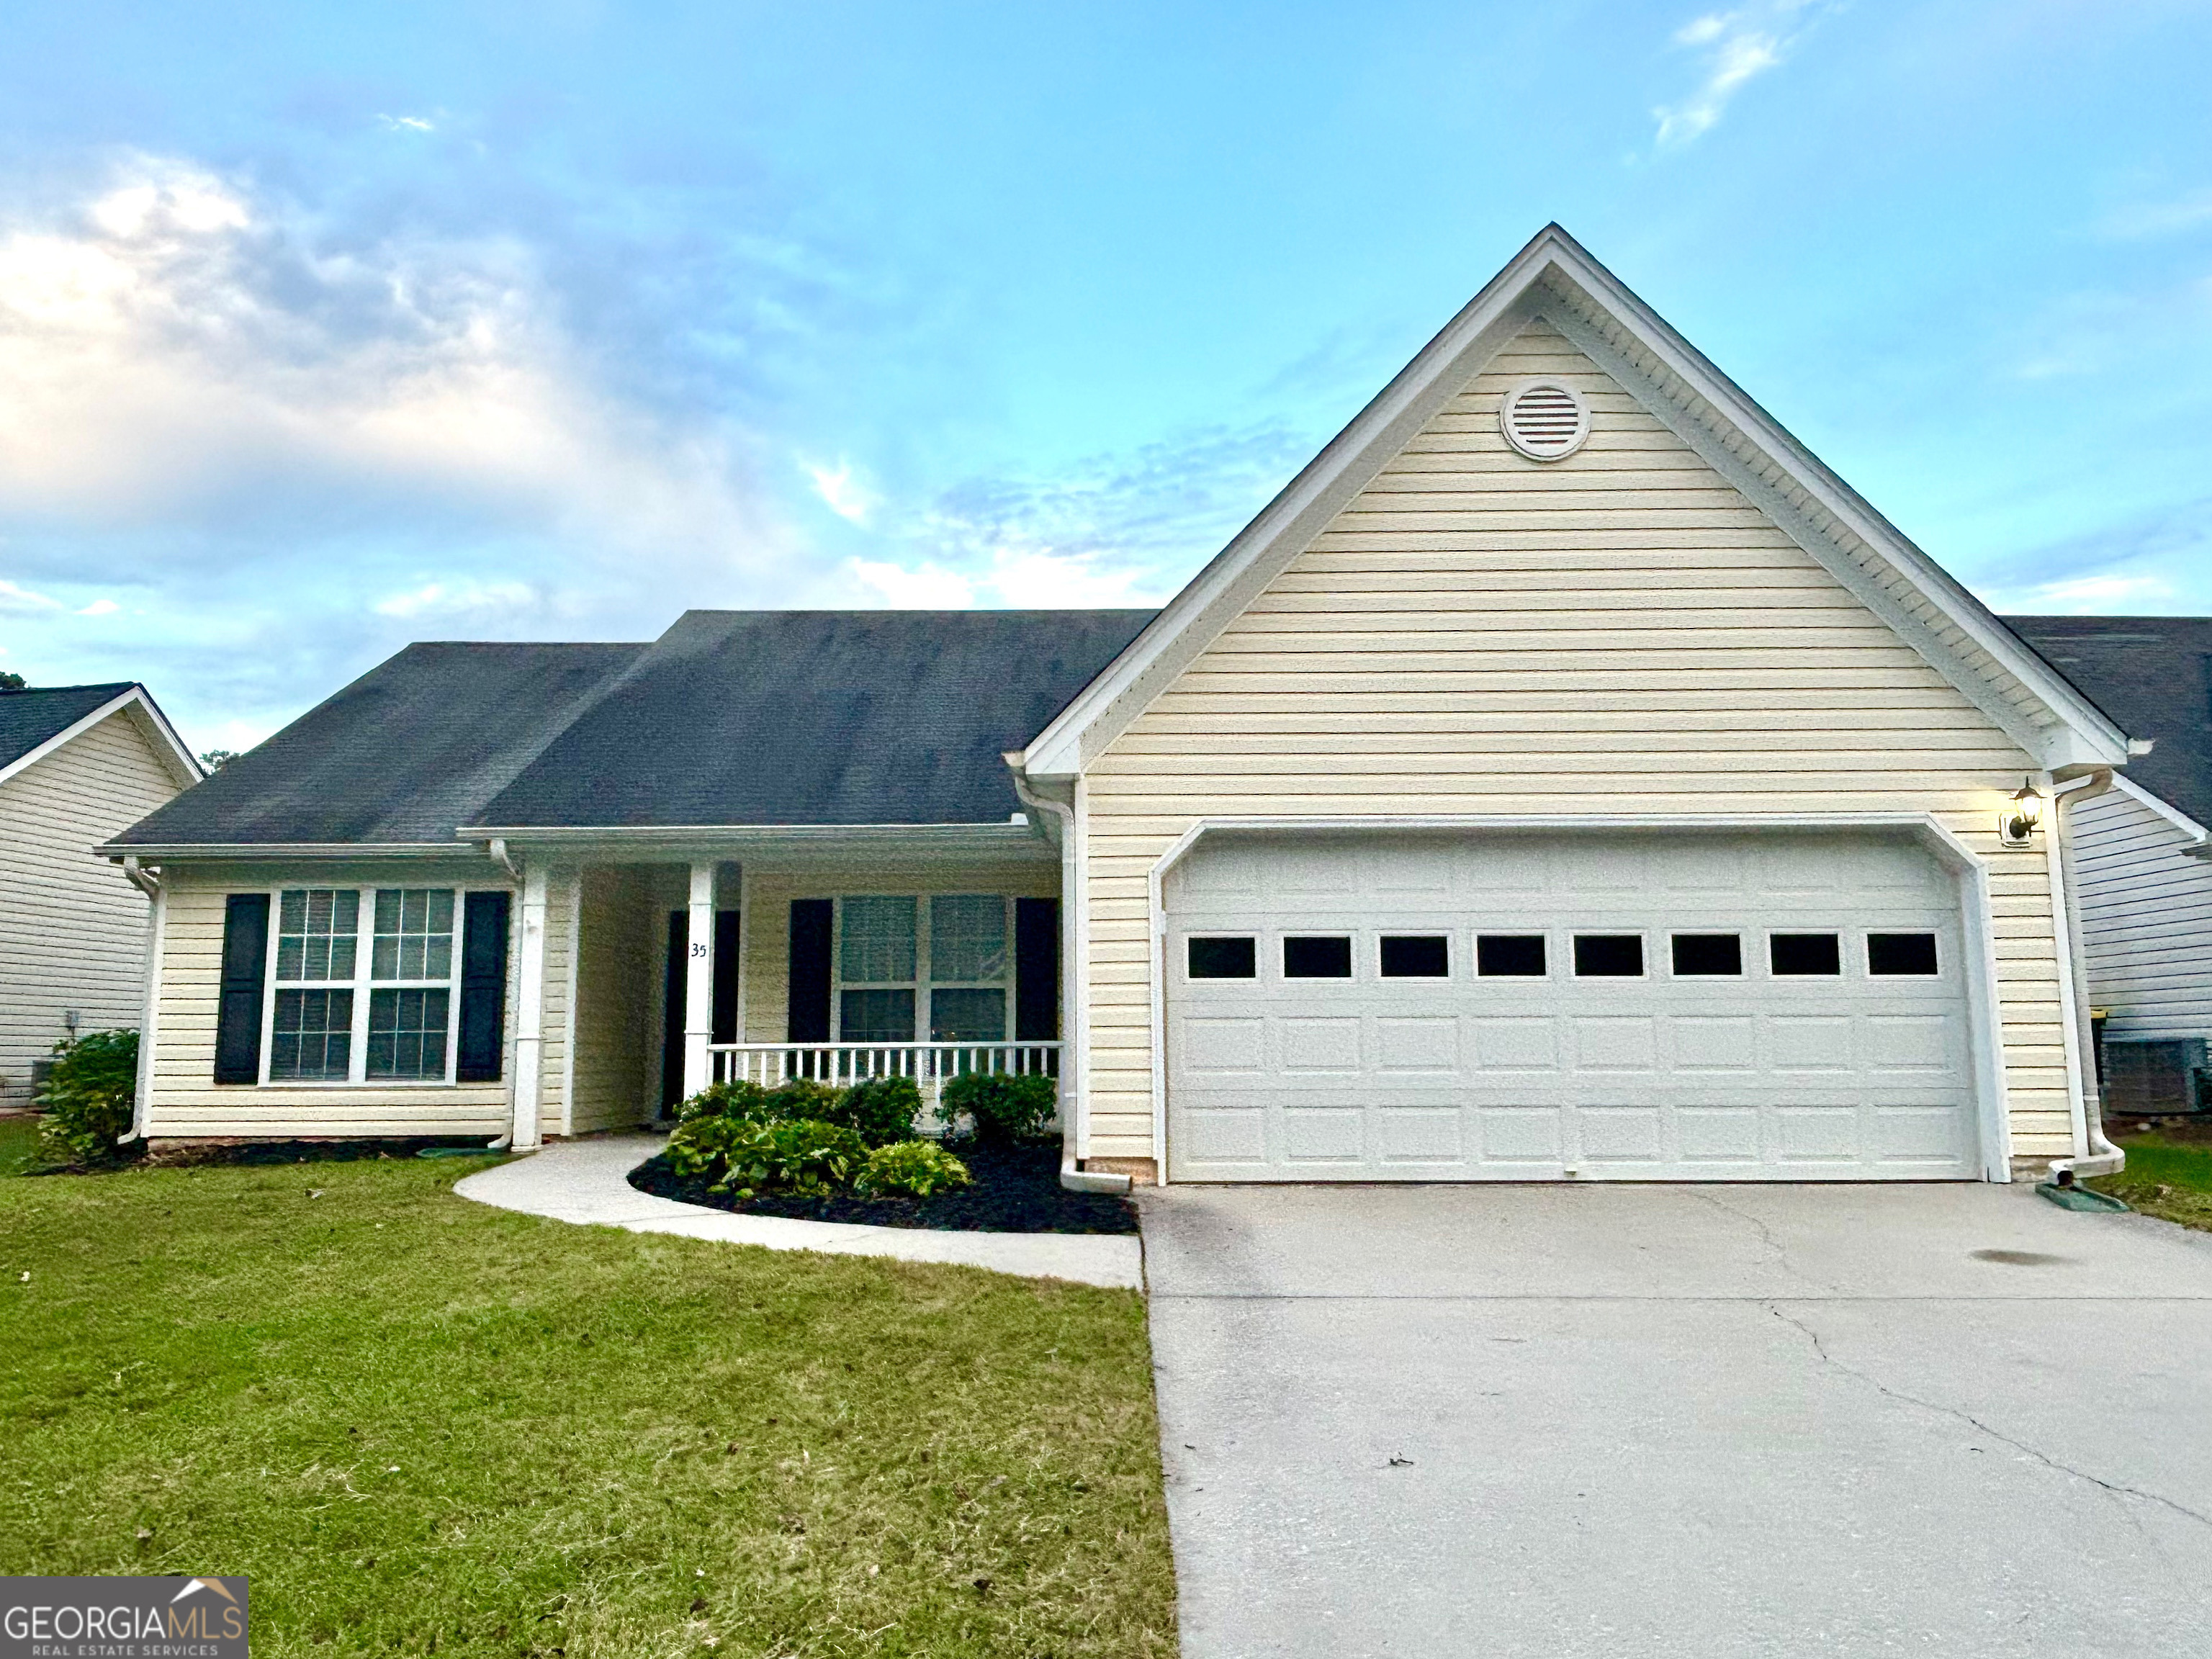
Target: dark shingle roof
pixel 406 753
pixel 796 717
pixel 27 718
pixel 2154 676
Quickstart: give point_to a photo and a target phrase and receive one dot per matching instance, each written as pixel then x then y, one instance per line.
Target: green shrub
pixel 795 1100
pixel 922 1167
pixel 881 1110
pixel 1003 1107
pixel 88 1098
pixel 724 1100
pixel 749 1155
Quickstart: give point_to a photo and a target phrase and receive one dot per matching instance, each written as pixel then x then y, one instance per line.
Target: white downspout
pixel 150 885
pixel 1075 1050
pixel 2101 1157
pixel 523 1132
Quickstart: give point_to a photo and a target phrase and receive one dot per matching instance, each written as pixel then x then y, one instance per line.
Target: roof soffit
pixel 1553 279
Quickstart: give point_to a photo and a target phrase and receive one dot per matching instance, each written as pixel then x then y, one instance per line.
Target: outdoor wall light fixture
pixel 2016 824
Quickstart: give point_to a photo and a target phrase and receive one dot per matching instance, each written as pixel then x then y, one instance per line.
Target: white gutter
pixel 2100 1157
pixel 1074 1102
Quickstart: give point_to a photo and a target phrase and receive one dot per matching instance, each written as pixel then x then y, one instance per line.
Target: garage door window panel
pixel 1608 956
pixel 1901 955
pixel 1803 955
pixel 1310 955
pixel 1706 956
pixel 1224 958
pixel 1510 955
pixel 1414 956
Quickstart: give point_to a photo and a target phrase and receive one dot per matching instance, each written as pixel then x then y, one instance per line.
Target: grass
pixel 19 1143
pixel 2168 1174
pixel 417 1424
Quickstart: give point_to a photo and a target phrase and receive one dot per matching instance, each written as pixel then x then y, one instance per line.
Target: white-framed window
pixel 346 1009
pixel 936 969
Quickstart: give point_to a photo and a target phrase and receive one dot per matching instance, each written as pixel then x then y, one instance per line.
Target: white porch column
pixel 530 1013
pixel 699 982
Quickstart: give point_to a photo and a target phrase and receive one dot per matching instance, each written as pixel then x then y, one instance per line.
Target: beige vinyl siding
pixel 2146 919
pixel 615 976
pixel 1620 632
pixel 766 923
pixel 183 1098
pixel 73 930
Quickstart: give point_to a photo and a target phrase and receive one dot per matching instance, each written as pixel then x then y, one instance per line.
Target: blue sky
pixel 326 328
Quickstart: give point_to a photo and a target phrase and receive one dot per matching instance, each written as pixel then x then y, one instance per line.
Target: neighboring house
pixel 1566 776
pixel 78 764
pixel 2145 851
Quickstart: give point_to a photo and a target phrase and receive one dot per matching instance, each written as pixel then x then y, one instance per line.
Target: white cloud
pixel 2086 595
pixel 407 123
pixel 19 601
pixel 931 587
pixel 2146 219
pixel 841 492
pixel 1043 580
pixel 179 349
pixel 100 607
pixel 1739 46
pixel 458 598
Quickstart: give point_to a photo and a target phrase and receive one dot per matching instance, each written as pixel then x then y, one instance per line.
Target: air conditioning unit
pixel 2154 1077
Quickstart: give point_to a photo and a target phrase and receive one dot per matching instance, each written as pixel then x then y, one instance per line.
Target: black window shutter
pixel 1036 970
pixel 727 936
pixel 807 1013
pixel 237 1005
pixel 479 1055
pixel 671 1008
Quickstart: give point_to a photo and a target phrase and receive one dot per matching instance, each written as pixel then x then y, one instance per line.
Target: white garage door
pixel 1778 1005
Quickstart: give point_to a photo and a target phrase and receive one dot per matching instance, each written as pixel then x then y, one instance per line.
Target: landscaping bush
pixel 1003 1108
pixel 724 1100
pixel 881 1110
pixel 748 1155
pixel 920 1168
pixel 88 1096
pixel 795 1100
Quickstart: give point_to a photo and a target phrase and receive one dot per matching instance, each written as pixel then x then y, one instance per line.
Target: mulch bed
pixel 1016 1190
pixel 263 1152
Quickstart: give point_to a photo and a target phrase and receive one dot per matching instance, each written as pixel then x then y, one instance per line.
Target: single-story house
pixel 1567 776
pixel 78 763
pixel 2144 869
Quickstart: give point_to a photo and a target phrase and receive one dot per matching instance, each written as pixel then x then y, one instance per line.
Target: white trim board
pixel 1555 279
pixel 183 765
pixel 1969 870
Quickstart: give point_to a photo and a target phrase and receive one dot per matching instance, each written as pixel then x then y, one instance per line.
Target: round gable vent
pixel 1545 420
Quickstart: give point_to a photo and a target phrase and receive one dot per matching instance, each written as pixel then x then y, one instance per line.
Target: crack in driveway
pixel 1820 1351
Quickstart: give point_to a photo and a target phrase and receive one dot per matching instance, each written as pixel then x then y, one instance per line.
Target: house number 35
pixel 700 949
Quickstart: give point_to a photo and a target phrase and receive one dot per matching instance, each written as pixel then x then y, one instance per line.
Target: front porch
pixel 644 977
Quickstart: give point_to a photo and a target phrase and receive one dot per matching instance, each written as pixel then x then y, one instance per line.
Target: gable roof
pixel 815 717
pixel 411 749
pixel 36 722
pixel 1553 278
pixel 2154 674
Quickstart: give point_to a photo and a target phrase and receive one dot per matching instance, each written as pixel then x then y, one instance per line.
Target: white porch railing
pixel 929 1064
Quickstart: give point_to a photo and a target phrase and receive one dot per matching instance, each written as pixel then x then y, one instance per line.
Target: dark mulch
pixel 1016 1190
pixel 314 1152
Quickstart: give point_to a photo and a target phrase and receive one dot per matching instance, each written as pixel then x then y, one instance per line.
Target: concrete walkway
pixel 1673 1420
pixel 586 1182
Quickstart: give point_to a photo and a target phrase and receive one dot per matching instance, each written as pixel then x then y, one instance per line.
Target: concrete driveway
pixel 1639 1421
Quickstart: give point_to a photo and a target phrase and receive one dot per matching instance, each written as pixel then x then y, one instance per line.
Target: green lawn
pixel 420 1425
pixel 2165 1177
pixel 19 1143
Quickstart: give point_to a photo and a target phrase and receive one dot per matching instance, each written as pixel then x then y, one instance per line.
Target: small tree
pixel 11 681
pixel 216 759
pixel 88 1096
